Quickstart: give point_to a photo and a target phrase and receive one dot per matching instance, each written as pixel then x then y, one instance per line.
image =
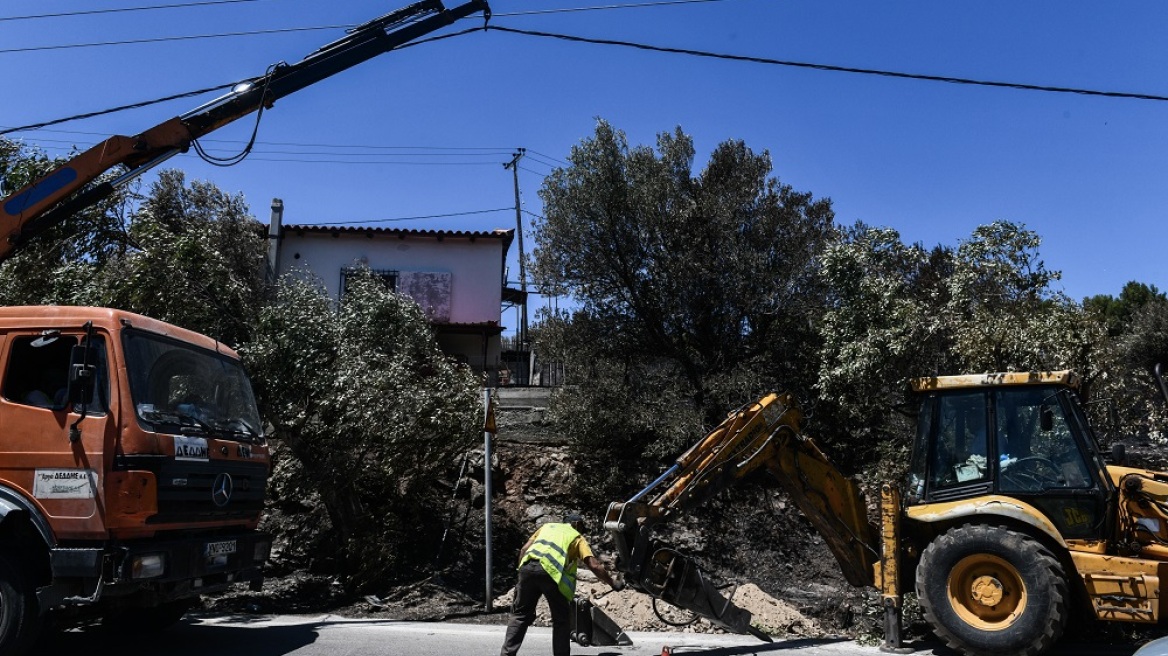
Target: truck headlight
pixel 148 566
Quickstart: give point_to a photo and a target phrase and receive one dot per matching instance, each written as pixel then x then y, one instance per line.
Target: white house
pixel 457 277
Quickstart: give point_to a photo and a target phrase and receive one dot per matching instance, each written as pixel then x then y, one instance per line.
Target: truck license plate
pixel 217 549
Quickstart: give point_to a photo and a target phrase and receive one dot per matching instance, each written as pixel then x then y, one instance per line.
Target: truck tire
pixel 990 591
pixel 20 621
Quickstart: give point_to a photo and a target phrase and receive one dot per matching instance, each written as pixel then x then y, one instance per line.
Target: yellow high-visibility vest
pixel 551 550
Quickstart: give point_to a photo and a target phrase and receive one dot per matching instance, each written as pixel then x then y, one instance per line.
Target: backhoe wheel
pixel 19 616
pixel 989 591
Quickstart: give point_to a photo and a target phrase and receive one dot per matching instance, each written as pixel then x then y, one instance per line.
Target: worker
pixel 547 568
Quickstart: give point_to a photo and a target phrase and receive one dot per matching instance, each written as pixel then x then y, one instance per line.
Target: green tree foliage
pixel 704 285
pixel 1137 322
pixel 197 260
pixel 368 409
pixel 1118 312
pixel 900 312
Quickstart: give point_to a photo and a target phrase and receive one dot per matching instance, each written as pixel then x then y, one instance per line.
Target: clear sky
pixel 426 131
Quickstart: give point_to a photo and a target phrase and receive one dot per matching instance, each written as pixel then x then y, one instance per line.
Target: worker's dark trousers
pixel 533 583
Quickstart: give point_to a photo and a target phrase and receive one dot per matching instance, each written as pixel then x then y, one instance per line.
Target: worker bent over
pixel 547 567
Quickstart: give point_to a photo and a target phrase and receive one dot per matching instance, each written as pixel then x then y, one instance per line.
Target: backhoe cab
pixel 1009 518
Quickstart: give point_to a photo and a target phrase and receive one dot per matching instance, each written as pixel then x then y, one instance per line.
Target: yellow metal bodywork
pixel 1119 588
pixel 984 507
pixel 766 434
pixel 1065 377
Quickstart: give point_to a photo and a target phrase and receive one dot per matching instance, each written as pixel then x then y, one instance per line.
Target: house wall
pixel 470 272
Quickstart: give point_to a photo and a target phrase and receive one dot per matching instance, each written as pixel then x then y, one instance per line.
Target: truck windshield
pixel 182 388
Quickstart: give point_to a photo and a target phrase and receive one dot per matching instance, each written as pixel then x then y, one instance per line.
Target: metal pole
pixel 514 166
pixel 488 432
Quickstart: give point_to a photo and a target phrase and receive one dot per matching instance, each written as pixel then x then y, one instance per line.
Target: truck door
pixel 60 476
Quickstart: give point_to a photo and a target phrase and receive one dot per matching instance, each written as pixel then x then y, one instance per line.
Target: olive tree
pixel 365 409
pixel 693 291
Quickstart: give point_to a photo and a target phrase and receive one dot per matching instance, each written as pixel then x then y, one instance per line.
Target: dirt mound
pixel 633 611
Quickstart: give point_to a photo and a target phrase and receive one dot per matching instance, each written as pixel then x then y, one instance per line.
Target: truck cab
pixel 132 469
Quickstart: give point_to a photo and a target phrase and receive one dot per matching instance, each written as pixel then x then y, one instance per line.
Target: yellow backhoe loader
pixel 1009 520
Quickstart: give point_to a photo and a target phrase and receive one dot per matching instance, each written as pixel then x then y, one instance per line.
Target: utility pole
pixel 514 166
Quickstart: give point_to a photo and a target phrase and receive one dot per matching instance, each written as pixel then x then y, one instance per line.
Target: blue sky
pixel 426 131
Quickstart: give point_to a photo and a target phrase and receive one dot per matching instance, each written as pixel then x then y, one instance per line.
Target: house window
pixel 388 277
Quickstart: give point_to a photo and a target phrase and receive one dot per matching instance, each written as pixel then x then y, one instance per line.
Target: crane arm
pixel 69 188
pixel 761 434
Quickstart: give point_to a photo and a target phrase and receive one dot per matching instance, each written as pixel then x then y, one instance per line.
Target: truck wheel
pixel 19 616
pixel 988 591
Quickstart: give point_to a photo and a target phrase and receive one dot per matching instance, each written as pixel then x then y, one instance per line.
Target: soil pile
pixel 633 611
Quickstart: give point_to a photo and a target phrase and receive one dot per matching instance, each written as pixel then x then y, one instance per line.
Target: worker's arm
pixel 597 568
pixel 526 546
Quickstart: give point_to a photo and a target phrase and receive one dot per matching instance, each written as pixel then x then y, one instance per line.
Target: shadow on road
pixel 190 637
pixel 761 648
pixel 933 648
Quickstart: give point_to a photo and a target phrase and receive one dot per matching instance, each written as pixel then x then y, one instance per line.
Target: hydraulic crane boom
pixel 66 190
pixel 761 434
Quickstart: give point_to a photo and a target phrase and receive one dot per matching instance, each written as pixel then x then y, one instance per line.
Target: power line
pixel 112 110
pixel 416 218
pixel 838 69
pixel 543 162
pixel 566 10
pixel 367 163
pixel 471 150
pixel 191 37
pixel 548 157
pixel 164 39
pixel 92 12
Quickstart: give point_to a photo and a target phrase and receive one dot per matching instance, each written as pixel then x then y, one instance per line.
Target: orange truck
pixel 132 470
pixel 132 458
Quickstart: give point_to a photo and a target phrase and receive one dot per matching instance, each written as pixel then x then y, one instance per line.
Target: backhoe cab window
pixel 959 453
pixel 38 372
pixel 1037 449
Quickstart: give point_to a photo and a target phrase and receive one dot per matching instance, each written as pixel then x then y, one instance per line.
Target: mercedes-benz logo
pixel 221 489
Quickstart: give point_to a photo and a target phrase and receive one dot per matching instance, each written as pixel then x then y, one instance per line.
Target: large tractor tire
pixel 20 621
pixel 990 591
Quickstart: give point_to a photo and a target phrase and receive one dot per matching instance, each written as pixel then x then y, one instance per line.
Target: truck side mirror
pixel 1046 419
pixel 82 371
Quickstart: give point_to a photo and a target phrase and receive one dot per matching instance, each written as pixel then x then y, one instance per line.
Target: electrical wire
pixel 639 5
pixel 232 160
pixel 293 160
pixel 166 39
pixel 832 68
pixel 547 157
pixel 122 108
pixel 473 151
pixel 417 218
pixel 91 12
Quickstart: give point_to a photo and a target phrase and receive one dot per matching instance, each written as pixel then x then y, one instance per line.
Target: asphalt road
pixel 329 635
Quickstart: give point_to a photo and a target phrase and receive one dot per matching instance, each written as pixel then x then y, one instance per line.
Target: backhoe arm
pixel 69 188
pixel 761 434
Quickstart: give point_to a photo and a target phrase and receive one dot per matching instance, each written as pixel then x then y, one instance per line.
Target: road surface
pixel 331 635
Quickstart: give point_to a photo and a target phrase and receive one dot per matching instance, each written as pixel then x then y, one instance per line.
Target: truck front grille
pixel 190 491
